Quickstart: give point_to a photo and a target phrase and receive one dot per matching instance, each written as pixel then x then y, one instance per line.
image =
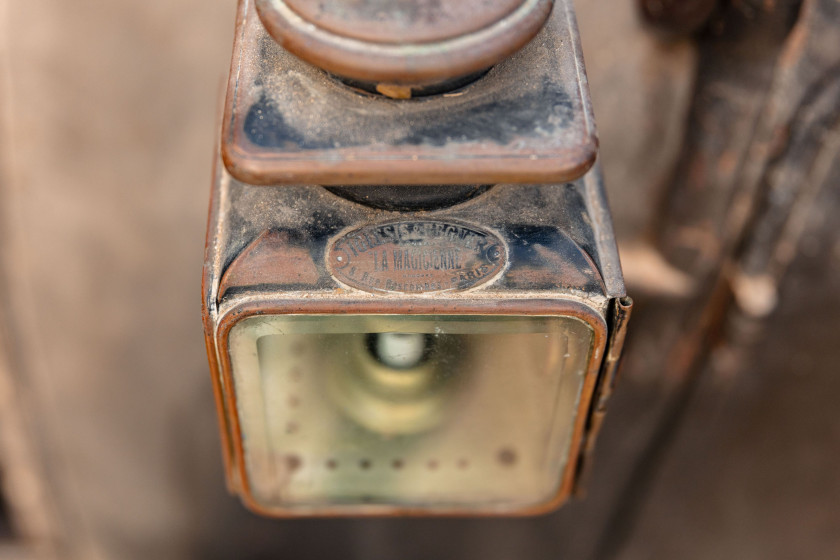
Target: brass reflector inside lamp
pixel 439 412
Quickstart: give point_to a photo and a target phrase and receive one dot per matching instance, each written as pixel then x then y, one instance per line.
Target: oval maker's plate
pixel 416 256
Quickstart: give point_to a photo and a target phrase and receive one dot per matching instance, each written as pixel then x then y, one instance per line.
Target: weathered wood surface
pixel 720 155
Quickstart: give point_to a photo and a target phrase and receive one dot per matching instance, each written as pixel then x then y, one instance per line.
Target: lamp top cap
pixel 403 41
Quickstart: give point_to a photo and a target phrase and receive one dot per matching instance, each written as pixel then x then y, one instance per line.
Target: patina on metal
pixel 422 256
pixel 528 119
pixel 404 42
pixel 334 198
pixel 272 251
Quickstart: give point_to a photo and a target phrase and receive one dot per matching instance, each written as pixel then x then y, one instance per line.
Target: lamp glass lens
pixel 439 413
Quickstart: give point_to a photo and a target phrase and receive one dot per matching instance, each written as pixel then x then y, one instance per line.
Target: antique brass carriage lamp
pixel 412 297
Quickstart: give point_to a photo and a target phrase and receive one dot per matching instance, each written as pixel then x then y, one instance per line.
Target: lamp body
pixel 411 307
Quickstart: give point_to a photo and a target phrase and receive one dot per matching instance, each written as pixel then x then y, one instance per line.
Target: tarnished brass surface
pixel 416 257
pixel 273 251
pixel 527 120
pixel 408 41
pixel 402 21
pixel 529 238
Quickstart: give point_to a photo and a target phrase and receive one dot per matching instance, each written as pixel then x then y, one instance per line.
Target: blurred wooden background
pixel 720 149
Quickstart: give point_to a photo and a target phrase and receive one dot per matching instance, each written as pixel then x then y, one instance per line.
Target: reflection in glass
pixel 440 412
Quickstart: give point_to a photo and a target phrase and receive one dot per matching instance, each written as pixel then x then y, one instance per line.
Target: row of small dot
pixel 397 464
pixel 506 457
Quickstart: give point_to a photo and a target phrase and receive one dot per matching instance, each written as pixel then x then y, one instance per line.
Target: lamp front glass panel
pixel 438 413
